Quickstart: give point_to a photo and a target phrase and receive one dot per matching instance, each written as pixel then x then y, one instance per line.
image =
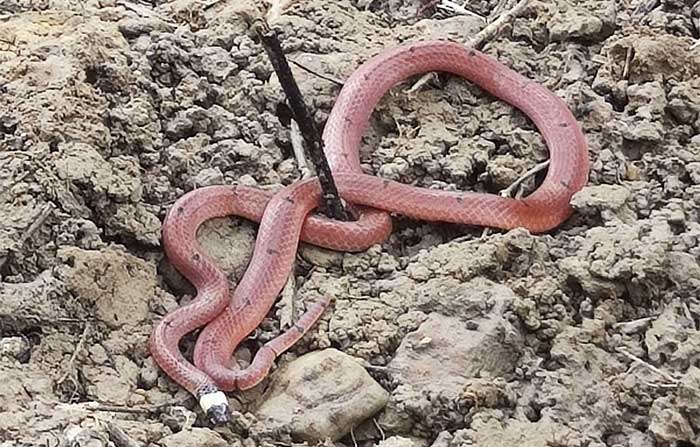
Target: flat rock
pixel 669 425
pixel 118 284
pixel 490 430
pixel 442 358
pixel 444 354
pixel 591 24
pixel 321 395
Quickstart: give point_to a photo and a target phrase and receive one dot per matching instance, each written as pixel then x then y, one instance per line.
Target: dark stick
pixel 332 205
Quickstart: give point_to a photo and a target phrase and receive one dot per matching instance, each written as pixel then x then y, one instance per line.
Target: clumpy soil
pixel 587 336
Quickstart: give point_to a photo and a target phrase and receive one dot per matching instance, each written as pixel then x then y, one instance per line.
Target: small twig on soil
pixel 686 312
pixel 508 192
pixel 31 229
pixel 529 173
pixel 352 436
pixel 634 326
pixel 156 409
pixel 454 8
pixel 422 81
pixel 628 61
pixel 496 11
pixel 662 385
pixel 317 74
pixel 485 34
pixel 38 222
pixel 497 25
pixel 379 427
pixel 651 367
pixel 212 4
pixel 287 303
pixel 331 199
pixel 128 410
pixel 297 141
pixel 35 319
pixel 76 351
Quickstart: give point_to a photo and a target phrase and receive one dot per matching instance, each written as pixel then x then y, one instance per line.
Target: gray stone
pixel 445 353
pixel 83 437
pixel 608 201
pixel 15 347
pixel 645 131
pixel 208 177
pixel 321 395
pixel 668 425
pixel 583 22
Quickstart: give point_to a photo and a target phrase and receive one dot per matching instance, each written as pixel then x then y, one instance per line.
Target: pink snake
pixel 285 216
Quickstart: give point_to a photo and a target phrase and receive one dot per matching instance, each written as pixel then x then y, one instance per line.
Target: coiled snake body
pixel 284 217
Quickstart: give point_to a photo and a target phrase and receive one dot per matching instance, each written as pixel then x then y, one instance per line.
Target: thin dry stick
pixel 212 4
pixel 31 229
pixel 287 303
pixel 508 192
pixel 686 312
pixel 628 61
pixel 488 32
pixel 78 348
pixel 631 327
pixel 297 141
pixel 379 427
pixel 649 366
pixel 287 296
pixel 529 173
pixel 454 8
pixel 317 74
pixel 155 409
pixel 13 316
pixel 115 409
pixel 497 25
pixel 38 222
pixel 422 81
pixel 352 435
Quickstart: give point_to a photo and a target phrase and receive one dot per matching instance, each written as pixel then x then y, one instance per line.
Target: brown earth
pixel 587 336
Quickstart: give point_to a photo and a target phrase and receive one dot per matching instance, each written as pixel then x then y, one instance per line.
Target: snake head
pixel 218 415
pixel 215 406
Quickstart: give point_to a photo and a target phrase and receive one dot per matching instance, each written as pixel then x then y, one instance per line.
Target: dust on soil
pixel 111 110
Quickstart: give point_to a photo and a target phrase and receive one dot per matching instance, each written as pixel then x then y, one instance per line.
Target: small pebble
pixel 15 347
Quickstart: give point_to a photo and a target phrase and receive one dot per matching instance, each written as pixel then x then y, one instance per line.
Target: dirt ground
pixel 587 336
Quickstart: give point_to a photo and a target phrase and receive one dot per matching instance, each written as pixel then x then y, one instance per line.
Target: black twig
pixel 317 74
pixel 332 205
